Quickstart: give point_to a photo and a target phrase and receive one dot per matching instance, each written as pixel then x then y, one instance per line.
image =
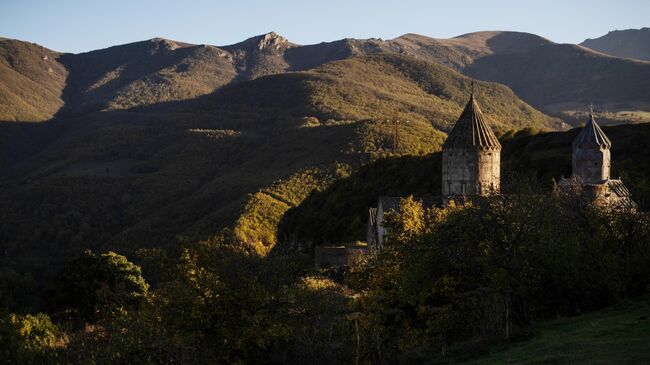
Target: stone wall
pixel 469 171
pixel 458 171
pixel 338 256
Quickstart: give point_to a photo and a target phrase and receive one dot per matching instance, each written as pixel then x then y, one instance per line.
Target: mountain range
pixel 556 78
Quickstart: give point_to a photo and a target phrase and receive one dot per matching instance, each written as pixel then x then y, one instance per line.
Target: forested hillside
pixel 452 284
pixel 238 158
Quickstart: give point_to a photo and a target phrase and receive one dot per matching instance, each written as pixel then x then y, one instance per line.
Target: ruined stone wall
pixel 592 165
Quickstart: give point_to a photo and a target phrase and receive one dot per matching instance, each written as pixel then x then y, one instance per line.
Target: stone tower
pixel 591 154
pixel 591 170
pixel 471 156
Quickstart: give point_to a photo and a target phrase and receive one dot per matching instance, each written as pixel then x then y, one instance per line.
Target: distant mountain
pixel 557 78
pixel 629 43
pixel 462 51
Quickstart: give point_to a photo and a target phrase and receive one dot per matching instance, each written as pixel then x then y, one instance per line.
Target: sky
pixel 83 25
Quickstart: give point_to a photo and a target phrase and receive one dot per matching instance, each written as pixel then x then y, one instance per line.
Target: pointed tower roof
pixel 472 130
pixel 592 136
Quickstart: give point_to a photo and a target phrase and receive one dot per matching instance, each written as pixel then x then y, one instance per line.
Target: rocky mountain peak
pixel 271 40
pixel 265 43
pixel 161 44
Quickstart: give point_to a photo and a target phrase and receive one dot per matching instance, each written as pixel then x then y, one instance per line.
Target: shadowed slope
pixel 144 73
pixel 541 72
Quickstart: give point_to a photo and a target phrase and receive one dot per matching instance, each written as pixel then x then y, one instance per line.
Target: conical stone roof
pixel 592 136
pixel 472 130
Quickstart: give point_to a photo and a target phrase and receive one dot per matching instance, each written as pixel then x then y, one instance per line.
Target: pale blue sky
pixel 83 25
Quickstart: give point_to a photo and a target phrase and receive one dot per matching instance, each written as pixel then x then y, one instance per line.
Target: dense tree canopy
pixel 95 284
pixel 484 270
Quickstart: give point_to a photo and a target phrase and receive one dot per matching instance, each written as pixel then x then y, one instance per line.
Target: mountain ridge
pixel 148 72
pixel 627 43
pixel 167 70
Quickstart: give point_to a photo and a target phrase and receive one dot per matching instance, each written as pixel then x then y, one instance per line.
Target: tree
pixel 93 285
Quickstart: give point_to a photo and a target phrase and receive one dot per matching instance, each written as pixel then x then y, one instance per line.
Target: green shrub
pixel 29 339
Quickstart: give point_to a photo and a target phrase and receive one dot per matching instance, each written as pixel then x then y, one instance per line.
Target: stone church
pixel 591 165
pixel 471 165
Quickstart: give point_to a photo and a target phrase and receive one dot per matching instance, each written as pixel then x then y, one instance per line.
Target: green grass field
pixel 616 335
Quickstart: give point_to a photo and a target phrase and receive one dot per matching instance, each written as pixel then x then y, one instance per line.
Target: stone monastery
pixel 471 165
